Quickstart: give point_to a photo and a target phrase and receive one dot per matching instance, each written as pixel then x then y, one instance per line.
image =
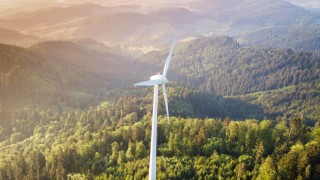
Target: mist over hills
pixel 60 74
pixel 16 38
pixel 314 4
pixel 261 12
pixel 69 75
pixel 132 22
pixel 132 25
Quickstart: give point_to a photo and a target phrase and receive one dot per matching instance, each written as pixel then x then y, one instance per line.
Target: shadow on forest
pixel 210 105
pixel 237 109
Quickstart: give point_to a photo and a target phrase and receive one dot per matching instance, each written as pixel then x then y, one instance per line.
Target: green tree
pixel 267 170
pixel 141 150
pixel 130 153
pixel 16 137
pixel 61 173
pixel 121 157
pixel 115 149
pixel 240 170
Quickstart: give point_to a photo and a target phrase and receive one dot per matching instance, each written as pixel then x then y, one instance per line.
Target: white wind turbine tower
pixel 155 81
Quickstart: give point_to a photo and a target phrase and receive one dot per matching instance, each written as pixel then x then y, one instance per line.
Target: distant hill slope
pixel 223 66
pixel 302 100
pixel 263 12
pixel 129 24
pixel 306 38
pixel 216 77
pixel 242 81
pixel 50 16
pixel 15 38
pixel 139 27
pixel 60 75
pixel 314 4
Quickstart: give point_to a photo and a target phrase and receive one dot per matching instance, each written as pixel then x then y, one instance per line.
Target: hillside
pixel 241 107
pixel 60 76
pixel 308 4
pixel 241 81
pixel 101 142
pixel 305 39
pixel 48 16
pixel 258 12
pixel 139 27
pixel 222 66
pixel 16 38
pixel 221 78
pixel 136 24
pixel 51 120
pixel 303 100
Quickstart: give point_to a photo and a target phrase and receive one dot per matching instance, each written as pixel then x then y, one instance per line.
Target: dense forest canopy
pixel 303 39
pixel 222 66
pixel 106 143
pixel 243 90
pixel 237 111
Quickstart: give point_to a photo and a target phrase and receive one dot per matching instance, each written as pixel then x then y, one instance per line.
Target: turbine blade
pixel 166 66
pixel 148 83
pixel 166 100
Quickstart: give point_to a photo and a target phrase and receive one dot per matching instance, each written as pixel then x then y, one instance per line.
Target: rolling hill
pixel 60 75
pixel 305 39
pixel 63 113
pixel 15 38
pixel 240 108
pixel 259 12
pixel 221 66
pixel 227 73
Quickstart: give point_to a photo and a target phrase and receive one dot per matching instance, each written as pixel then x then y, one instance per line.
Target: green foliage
pixel 222 66
pixel 141 150
pixel 57 75
pixel 267 169
pixel 306 38
pixel 301 100
pixel 45 137
pixel 80 145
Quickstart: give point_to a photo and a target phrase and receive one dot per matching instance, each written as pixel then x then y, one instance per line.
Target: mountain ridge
pixel 109 23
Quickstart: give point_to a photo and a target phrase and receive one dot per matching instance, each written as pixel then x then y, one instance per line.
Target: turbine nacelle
pixel 160 78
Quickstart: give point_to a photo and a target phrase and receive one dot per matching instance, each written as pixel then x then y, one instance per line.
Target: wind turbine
pixel 155 81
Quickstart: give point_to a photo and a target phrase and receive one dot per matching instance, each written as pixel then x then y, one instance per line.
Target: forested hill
pixel 304 39
pixel 222 66
pixel 51 128
pixel 104 142
pixel 59 76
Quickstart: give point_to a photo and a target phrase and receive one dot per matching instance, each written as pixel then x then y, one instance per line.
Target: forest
pixel 103 143
pixel 302 39
pixel 222 66
pixel 70 111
